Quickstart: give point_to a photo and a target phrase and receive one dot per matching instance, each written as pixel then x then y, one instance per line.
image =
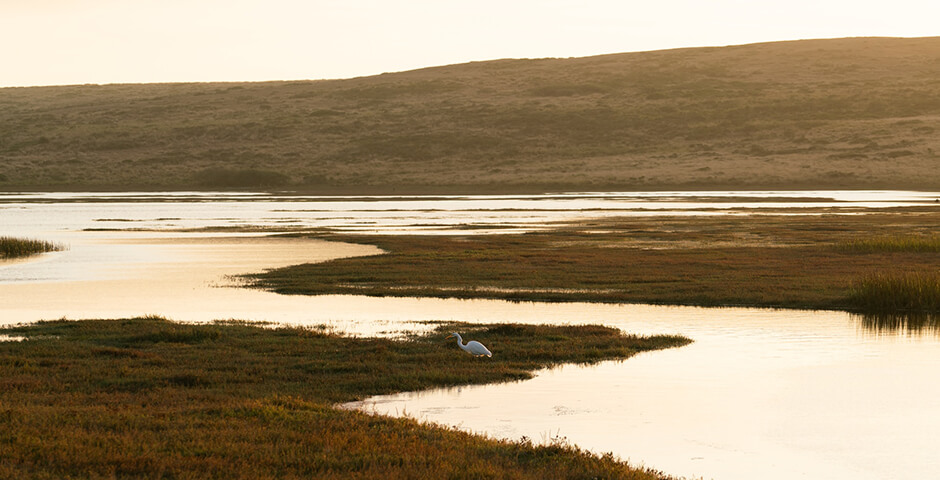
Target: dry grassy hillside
pixel 846 113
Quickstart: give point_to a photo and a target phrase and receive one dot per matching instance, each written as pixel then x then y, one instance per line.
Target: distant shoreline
pixel 430 190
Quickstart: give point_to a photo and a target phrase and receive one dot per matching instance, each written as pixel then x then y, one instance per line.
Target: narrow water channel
pixel 760 394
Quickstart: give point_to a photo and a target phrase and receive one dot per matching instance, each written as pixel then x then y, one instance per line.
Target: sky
pixel 64 42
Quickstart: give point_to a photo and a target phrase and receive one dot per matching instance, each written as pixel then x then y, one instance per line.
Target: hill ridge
pixel 823 113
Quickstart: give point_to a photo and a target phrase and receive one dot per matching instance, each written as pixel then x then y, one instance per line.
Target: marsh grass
pixel 893 243
pixel 767 261
pixel 897 292
pixel 149 398
pixel 13 247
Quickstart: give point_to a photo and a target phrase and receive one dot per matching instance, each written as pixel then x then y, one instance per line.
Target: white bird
pixel 472 347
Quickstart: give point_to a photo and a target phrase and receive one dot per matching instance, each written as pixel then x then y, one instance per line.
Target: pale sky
pixel 57 42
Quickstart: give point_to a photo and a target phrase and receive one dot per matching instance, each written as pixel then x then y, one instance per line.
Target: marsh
pixel 772 393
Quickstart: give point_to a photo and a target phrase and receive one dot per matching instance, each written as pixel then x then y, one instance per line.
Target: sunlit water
pixel 44 212
pixel 760 394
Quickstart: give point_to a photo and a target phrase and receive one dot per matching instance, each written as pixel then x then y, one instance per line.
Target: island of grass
pixel 14 247
pixel 150 398
pixel 884 261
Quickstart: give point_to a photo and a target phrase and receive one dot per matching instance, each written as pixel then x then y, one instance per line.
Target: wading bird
pixel 472 347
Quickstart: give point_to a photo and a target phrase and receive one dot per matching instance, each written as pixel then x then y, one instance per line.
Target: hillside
pixel 845 113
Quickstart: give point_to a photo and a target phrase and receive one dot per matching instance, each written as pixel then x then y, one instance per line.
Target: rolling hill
pixel 842 113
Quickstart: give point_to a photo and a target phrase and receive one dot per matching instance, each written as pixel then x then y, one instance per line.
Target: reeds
pixel 897 292
pixel 893 243
pixel 13 247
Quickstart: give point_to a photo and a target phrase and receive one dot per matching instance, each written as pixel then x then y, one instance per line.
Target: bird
pixel 472 347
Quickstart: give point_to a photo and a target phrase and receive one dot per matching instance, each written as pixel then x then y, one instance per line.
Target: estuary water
pixel 759 394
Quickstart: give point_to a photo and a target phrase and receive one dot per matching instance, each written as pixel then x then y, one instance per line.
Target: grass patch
pixel 894 243
pixel 897 292
pixel 765 261
pixel 148 398
pixel 13 247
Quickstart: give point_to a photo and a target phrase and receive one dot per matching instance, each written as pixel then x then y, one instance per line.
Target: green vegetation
pixel 148 398
pixel 846 113
pixel 766 261
pixel 894 243
pixel 12 247
pixel 897 292
pixel 893 289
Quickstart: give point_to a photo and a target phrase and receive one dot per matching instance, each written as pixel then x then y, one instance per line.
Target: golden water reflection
pixel 759 394
pixel 182 278
pixel 911 323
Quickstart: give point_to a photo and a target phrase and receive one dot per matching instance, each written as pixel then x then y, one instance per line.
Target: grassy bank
pixel 147 398
pixel 842 113
pixel 892 243
pixel 766 261
pixel 897 292
pixel 13 247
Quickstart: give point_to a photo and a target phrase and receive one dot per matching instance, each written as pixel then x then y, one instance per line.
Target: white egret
pixel 472 347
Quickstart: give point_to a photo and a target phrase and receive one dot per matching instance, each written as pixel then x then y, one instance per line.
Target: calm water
pixel 51 213
pixel 760 394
